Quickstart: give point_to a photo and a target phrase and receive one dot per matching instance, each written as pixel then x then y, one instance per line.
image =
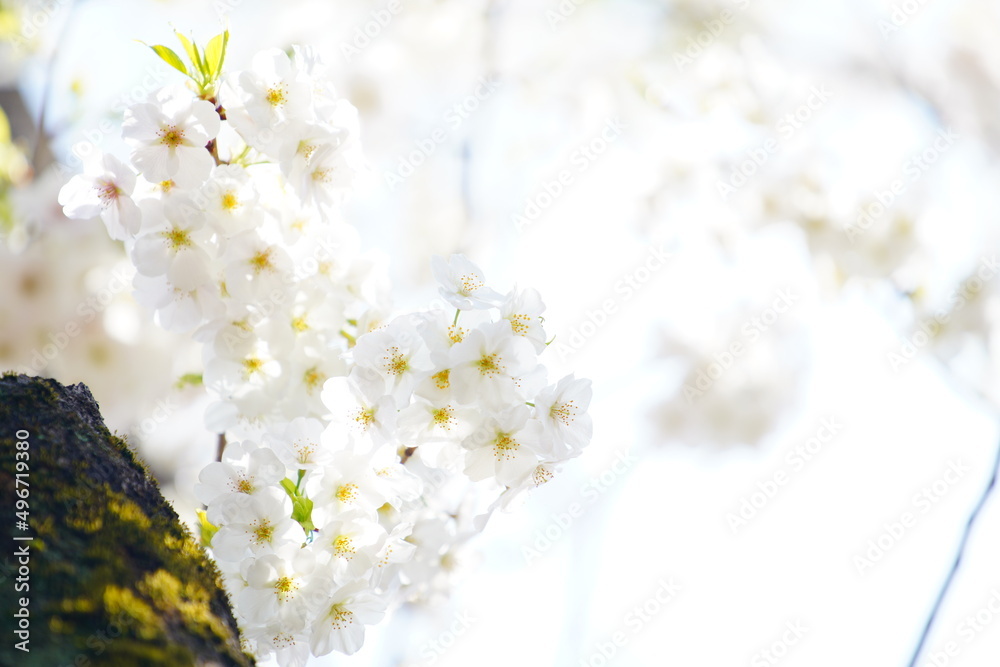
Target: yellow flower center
pixel 313 379
pixel 177 238
pixel 504 446
pixel 230 201
pixel 276 96
pixel 563 412
pixel 306 150
pixel 444 417
pixel 171 136
pixel 108 192
pixel 304 451
pixel 456 334
pixel 243 485
pixel 386 556
pixel 285 588
pixel 322 175
pixel 262 261
pixel 442 380
pixel 541 475
pixel 395 363
pixel 489 365
pixel 365 418
pixel 343 546
pixel 519 323
pixel 252 365
pixel 347 493
pixel 263 531
pixel 340 617
pixel 470 282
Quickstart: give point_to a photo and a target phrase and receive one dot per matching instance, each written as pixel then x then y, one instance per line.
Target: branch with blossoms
pixel 363 451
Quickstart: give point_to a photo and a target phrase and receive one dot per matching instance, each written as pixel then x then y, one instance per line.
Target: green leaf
pixel 206 529
pixel 192 379
pixel 190 48
pixel 289 487
pixel 4 128
pixel 215 54
pixel 197 60
pixel 170 58
pixel 7 220
pixel 302 509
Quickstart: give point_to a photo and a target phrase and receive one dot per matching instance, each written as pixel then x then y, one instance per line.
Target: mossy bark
pixel 114 577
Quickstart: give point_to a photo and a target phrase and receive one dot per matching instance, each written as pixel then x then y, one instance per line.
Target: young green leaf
pixel 188 379
pixel 4 128
pixel 206 529
pixel 225 47
pixel 170 58
pixel 302 512
pixel 215 54
pixel 193 53
pixel 188 47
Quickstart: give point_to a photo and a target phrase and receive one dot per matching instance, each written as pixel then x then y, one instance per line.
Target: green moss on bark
pixel 116 579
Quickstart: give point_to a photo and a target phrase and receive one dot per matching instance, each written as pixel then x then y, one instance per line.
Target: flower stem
pixel 958 559
pixel 221 446
pixel 213 148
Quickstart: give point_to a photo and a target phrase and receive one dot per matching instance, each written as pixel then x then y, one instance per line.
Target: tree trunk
pixel 101 572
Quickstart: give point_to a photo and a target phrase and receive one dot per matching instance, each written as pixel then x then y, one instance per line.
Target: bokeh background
pixel 766 229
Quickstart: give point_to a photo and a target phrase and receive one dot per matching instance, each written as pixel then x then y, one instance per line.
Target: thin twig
pixel 958 559
pixel 40 134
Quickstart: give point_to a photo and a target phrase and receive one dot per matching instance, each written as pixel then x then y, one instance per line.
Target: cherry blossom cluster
pixel 364 452
pixel 322 527
pixel 232 224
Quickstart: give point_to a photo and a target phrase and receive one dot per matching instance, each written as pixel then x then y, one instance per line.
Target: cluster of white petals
pixel 363 451
pixel 231 241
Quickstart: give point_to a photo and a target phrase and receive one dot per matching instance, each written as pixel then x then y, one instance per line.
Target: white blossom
pixel 104 189
pixel 169 134
pixel 463 284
